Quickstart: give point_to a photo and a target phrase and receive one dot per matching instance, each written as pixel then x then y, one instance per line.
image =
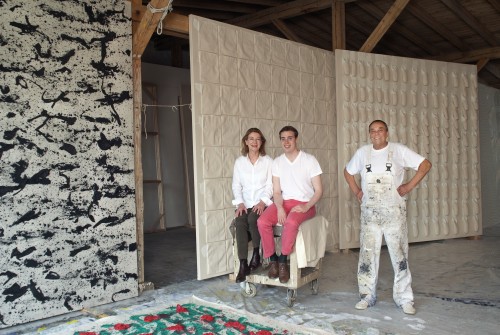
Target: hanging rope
pixel 172 107
pixel 165 10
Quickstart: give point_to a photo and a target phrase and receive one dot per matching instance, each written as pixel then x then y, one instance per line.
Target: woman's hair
pixel 244 147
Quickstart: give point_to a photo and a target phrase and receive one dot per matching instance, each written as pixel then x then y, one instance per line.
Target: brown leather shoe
pixel 284 273
pixel 273 270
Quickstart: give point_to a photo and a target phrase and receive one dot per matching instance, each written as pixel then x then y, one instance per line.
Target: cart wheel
pixel 250 290
pixel 291 295
pixel 315 286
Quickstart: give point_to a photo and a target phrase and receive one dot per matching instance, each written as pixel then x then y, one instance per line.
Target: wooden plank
pixel 174 24
pixel 147 26
pixel 384 25
pixel 469 56
pixel 138 173
pixel 338 25
pixel 287 10
pixel 285 30
pixel 471 21
pixel 420 13
pixel 482 63
pixel 495 4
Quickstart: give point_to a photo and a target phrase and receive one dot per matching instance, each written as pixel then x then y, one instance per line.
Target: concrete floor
pixel 456 285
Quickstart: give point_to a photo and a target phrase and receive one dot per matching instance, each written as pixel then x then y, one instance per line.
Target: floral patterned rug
pixel 189 318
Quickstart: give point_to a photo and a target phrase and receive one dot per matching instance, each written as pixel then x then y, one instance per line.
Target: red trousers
pixel 269 219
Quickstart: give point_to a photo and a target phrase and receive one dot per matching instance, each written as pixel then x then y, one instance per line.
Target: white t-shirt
pixel 296 177
pixel 252 182
pixel 402 157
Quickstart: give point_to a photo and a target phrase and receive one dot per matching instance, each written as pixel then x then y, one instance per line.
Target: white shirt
pixel 252 182
pixel 402 157
pixel 296 177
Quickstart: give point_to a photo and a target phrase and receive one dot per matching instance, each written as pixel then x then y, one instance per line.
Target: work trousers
pixel 269 219
pixel 389 222
pixel 246 228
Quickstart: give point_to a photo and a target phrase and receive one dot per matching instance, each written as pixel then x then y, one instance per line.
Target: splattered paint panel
pixel 67 229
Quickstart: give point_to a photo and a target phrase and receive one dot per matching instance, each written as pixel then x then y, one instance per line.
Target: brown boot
pixel 255 261
pixel 243 272
pixel 284 272
pixel 273 270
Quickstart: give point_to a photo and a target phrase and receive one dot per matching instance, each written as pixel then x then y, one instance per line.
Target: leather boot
pixel 273 270
pixel 243 272
pixel 283 272
pixel 255 261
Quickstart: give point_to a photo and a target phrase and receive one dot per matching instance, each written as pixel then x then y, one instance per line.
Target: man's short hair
pixel 289 128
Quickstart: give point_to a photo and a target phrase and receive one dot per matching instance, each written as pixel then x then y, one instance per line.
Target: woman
pixel 252 189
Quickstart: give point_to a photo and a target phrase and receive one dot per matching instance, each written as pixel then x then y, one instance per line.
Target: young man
pixel 296 189
pixel 383 211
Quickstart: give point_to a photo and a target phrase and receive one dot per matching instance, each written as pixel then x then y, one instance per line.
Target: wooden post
pixel 338 25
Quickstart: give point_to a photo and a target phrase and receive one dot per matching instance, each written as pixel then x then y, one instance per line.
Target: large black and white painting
pixel 67 223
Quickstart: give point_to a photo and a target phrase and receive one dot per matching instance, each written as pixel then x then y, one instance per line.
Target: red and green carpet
pixel 189 318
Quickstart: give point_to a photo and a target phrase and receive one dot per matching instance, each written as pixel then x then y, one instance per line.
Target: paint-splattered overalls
pixel 383 213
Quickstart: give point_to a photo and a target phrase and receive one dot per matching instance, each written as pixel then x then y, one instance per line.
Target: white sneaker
pixel 409 309
pixel 362 304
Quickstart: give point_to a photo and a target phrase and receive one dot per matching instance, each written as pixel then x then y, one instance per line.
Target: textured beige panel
pixel 247 103
pixel 246 45
pixel 278 79
pixel 268 94
pixel 229 155
pixel 279 106
pixel 211 130
pixel 307 112
pixel 228 39
pixel 306 59
pixel 216 226
pixel 209 73
pixel 292 56
pixel 432 108
pixel 293 105
pixel 212 162
pixel 262 77
pixel 262 49
pixel 229 100
pixel 228 67
pixel 210 99
pixel 231 134
pixel 214 197
pixel 309 136
pixel 307 85
pixel 293 82
pixel 246 73
pixel 320 87
pixel 263 105
pixel 208 40
pixel 318 62
pixel 278 52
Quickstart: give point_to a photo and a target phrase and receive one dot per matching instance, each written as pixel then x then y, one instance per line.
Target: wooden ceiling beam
pixel 338 25
pixel 174 24
pixel 213 5
pixel 469 56
pixel 146 27
pixel 402 30
pixel 267 3
pixel 287 10
pixel 495 4
pixel 285 30
pixel 482 63
pixel 384 25
pixel 471 21
pixel 421 14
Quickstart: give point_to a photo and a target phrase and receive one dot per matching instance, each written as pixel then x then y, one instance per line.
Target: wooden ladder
pixel 151 91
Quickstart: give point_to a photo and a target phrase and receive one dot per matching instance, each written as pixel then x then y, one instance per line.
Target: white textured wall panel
pixel 432 108
pixel 243 79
